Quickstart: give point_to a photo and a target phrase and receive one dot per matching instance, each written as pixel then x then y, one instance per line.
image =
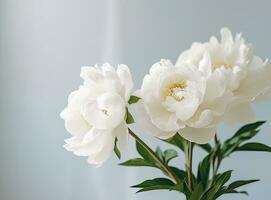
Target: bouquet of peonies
pixel 211 83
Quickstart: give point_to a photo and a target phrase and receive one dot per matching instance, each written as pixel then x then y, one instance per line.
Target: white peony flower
pixel 182 99
pixel 248 77
pixel 95 115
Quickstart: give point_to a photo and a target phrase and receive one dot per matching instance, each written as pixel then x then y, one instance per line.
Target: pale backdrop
pixel 43 43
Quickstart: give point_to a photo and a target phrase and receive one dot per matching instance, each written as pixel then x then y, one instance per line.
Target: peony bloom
pixel 95 115
pixel 248 77
pixel 183 99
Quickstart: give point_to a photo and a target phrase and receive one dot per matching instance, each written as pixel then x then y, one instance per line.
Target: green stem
pixel 158 160
pixel 217 161
pixel 189 165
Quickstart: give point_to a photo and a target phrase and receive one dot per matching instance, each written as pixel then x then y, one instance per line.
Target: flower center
pixel 105 111
pixel 174 89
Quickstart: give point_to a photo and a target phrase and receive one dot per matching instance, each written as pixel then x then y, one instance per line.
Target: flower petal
pixel 239 111
pixel 74 122
pixel 205 65
pixel 215 85
pixel 198 135
pixel 121 132
pixel 257 81
pixel 126 80
pixel 146 124
pixel 107 112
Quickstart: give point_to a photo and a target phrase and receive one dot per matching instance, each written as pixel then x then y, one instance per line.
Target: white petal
pixel 74 122
pixel 184 109
pixel 92 142
pixel 73 143
pixel 210 113
pixel 205 119
pixel 237 75
pixel 205 65
pixel 198 135
pixel 96 144
pixel 213 40
pixel 106 67
pixel 104 154
pixel 161 66
pixel 193 55
pixel 105 113
pixel 187 72
pixel 220 104
pixel 216 85
pixel 240 110
pixel 121 132
pixel 126 80
pixel 77 98
pixel 112 83
pixel 162 118
pixel 146 124
pixel 91 73
pixel 226 36
pixel 257 81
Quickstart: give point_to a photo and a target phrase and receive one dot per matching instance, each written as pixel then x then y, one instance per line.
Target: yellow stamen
pixel 219 63
pixel 170 90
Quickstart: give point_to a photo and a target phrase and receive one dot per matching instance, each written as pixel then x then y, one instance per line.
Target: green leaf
pixel 155 184
pixel 236 192
pixel 223 178
pixel 182 175
pixel 240 183
pixel 197 192
pixel 133 99
pixel 177 141
pixel 219 182
pixel 157 187
pixel 178 187
pixel 243 134
pixel 206 147
pixel 159 153
pixel 144 152
pixel 254 146
pixel 129 117
pixel 204 170
pixel 241 138
pixel 236 184
pixel 224 190
pixel 249 127
pixel 152 182
pixel 116 149
pixel 179 172
pixel 137 162
pixel 169 155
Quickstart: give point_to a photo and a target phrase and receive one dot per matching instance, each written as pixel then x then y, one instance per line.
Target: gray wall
pixel 43 43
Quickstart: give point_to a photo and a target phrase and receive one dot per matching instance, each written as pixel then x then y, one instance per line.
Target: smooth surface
pixel 43 44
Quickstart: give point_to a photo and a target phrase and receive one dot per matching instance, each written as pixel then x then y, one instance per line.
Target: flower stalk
pixel 189 165
pixel 216 160
pixel 158 160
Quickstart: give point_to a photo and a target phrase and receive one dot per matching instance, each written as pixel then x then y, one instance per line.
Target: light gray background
pixel 43 43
